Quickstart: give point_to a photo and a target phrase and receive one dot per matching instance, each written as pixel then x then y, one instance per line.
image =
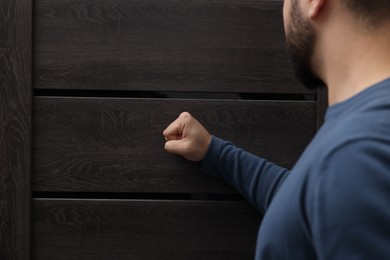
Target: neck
pixel 353 61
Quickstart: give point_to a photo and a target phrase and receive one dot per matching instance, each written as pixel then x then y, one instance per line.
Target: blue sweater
pixel 335 202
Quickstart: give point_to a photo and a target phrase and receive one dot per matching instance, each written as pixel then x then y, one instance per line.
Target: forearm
pixel 254 177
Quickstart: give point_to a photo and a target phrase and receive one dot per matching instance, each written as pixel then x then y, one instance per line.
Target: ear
pixel 315 8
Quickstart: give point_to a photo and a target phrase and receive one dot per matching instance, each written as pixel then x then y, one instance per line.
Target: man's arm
pixel 254 177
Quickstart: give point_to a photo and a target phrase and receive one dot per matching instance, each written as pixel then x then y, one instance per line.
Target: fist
pixel 187 137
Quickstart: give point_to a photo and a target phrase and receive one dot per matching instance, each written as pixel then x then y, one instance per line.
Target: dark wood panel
pixel 15 128
pixel 106 229
pixel 191 45
pixel 116 145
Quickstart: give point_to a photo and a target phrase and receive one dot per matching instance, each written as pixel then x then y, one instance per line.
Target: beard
pixel 301 41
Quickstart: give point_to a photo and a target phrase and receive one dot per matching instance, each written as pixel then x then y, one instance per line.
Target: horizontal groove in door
pixel 116 145
pixel 103 229
pixel 138 196
pixel 173 95
pixel 170 45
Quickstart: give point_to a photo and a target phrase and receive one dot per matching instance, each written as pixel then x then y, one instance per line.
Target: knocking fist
pixel 187 137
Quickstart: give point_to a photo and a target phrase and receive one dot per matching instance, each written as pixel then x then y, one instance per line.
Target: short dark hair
pixel 371 12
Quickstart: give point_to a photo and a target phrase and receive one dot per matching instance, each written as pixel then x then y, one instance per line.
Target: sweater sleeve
pixel 254 177
pixel 350 208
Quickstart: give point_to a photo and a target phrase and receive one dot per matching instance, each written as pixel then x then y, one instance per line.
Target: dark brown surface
pixel 15 127
pixel 110 148
pixel 116 145
pixel 191 45
pixel 125 229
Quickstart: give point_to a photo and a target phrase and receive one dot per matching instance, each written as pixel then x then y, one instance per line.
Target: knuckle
pixel 185 115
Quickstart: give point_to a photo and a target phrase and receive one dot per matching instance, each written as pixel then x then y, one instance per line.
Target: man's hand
pixel 187 137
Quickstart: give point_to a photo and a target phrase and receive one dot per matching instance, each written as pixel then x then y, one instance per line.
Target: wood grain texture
pixel 124 229
pixel 116 145
pixel 190 45
pixel 15 128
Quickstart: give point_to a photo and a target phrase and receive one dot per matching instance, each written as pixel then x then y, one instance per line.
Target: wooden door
pixel 88 86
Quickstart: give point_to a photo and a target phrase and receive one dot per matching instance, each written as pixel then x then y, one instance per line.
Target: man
pixel 335 202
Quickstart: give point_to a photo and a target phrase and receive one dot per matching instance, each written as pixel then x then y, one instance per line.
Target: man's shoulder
pixel 356 148
pixel 348 196
pixel 369 125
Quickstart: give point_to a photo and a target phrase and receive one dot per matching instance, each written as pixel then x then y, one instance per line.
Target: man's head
pixel 304 26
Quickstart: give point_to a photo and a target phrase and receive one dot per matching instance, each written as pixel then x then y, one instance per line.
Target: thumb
pixel 175 146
